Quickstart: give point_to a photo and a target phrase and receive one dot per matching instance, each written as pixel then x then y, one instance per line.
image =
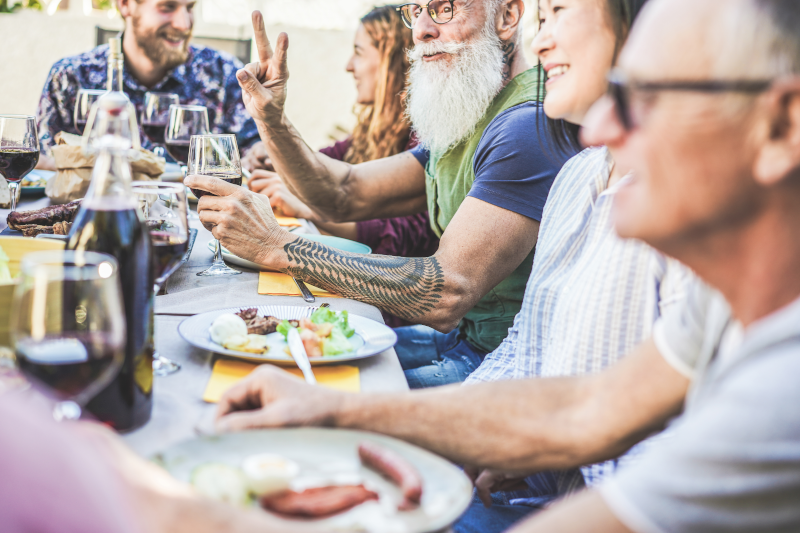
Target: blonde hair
pixel 382 128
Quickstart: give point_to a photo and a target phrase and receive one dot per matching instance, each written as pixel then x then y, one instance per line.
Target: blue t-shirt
pixel 515 162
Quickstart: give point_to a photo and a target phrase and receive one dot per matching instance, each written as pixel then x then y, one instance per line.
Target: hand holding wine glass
pixel 215 156
pixel 164 208
pixel 19 150
pixel 69 329
pixel 155 118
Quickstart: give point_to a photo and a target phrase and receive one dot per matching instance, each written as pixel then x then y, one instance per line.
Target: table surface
pixel 178 408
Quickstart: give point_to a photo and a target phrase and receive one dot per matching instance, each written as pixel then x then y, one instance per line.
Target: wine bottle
pixel 109 221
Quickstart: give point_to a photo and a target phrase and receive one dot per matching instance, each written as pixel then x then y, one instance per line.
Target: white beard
pixel 447 99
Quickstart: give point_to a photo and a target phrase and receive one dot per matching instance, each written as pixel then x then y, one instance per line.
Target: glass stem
pixel 13 186
pixel 217 254
pixel 158 150
pixel 67 411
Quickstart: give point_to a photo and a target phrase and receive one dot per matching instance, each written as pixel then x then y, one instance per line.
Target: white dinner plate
pixel 371 338
pixel 330 457
pixel 328 240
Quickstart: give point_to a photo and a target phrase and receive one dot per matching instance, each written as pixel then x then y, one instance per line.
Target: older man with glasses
pixel 483 171
pixel 706 108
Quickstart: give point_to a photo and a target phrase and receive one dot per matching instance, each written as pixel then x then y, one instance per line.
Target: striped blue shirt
pixel 591 296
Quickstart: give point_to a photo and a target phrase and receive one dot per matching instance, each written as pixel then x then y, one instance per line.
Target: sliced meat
pixel 32 230
pixel 46 216
pixel 317 502
pixel 397 469
pixel 259 325
pixel 248 314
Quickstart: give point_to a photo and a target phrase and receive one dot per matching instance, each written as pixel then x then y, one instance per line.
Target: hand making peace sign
pixel 263 82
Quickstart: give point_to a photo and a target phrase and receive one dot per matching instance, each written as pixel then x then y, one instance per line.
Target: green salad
pixel 325 333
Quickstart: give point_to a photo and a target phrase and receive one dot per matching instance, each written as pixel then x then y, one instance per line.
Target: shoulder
pixel 202 56
pixel 96 58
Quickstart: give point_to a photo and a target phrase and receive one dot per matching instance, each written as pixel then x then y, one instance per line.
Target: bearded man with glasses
pixel 483 170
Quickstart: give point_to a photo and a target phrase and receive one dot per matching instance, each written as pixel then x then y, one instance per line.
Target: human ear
pixel 509 19
pixel 124 8
pixel 780 154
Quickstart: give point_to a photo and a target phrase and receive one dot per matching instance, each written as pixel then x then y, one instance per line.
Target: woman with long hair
pixel 379 66
pixel 592 297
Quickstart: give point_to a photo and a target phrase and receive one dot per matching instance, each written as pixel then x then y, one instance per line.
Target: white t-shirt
pixel 732 462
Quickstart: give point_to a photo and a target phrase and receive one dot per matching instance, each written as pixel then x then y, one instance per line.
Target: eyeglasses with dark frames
pixel 620 88
pixel 441 12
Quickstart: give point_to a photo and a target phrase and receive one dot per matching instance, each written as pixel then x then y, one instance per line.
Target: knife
pixel 300 356
pixel 307 296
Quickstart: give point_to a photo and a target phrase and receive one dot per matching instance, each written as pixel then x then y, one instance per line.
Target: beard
pixel 447 99
pixel 150 40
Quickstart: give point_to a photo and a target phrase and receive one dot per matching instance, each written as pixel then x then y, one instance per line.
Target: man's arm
pixel 340 192
pixel 482 245
pixel 520 426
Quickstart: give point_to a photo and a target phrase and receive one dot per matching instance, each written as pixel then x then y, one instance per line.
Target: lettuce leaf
pixel 284 327
pixel 338 319
pixel 337 343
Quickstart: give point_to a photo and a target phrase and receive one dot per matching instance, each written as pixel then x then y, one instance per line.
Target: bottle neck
pixel 114 82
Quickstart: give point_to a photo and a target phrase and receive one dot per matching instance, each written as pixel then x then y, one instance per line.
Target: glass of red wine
pixel 83 105
pixel 19 150
pixel 184 122
pixel 164 208
pixel 68 328
pixel 155 117
pixel 215 156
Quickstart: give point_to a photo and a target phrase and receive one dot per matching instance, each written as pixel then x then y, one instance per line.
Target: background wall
pixel 321 93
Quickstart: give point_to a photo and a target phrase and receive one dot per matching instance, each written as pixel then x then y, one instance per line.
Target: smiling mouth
pixel 557 72
pixel 434 57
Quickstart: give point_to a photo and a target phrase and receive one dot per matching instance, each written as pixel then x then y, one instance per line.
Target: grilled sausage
pixel 397 469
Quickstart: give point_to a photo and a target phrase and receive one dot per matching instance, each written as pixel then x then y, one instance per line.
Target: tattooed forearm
pixel 406 287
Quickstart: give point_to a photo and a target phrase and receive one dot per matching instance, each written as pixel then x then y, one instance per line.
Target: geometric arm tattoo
pixel 403 286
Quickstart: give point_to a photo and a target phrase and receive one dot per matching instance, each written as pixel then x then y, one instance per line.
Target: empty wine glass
pixel 83 105
pixel 68 328
pixel 164 208
pixel 216 156
pixel 19 150
pixel 155 118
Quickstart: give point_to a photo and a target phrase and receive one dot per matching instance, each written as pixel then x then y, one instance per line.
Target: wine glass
pixel 19 150
pixel 184 121
pixel 155 117
pixel 164 208
pixel 83 105
pixel 68 328
pixel 216 156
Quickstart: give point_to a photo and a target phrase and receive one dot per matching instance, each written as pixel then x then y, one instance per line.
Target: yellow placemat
pixel 288 222
pixel 228 372
pixel 278 284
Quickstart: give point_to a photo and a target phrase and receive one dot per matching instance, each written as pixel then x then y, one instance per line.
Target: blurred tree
pixel 10 6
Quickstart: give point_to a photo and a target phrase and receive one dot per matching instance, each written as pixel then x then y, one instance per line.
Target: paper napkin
pixel 228 372
pixel 278 284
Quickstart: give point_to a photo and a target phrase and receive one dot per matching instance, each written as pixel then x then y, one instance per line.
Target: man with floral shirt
pixel 159 58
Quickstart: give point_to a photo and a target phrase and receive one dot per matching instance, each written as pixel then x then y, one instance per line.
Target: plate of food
pixel 339 243
pixel 333 479
pixel 258 333
pixel 34 183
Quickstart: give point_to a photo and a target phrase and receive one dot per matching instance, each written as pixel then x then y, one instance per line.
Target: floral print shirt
pixel 207 78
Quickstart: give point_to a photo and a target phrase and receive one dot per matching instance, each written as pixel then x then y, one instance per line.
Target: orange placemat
pixel 288 222
pixel 278 284
pixel 227 373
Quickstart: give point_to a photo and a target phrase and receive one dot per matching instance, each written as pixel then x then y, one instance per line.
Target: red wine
pixel 68 366
pixel 168 250
pixel 233 179
pixel 80 126
pixel 179 150
pixel 156 132
pixel 15 163
pixel 112 225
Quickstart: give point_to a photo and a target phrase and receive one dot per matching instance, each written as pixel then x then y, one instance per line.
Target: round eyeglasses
pixel 441 12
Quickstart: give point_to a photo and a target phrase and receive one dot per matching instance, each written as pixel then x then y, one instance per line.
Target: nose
pixel 543 42
pixel 183 19
pixel 351 68
pixel 601 125
pixel 425 29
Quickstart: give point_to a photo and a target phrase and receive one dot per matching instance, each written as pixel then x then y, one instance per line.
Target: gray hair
pixel 783 19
